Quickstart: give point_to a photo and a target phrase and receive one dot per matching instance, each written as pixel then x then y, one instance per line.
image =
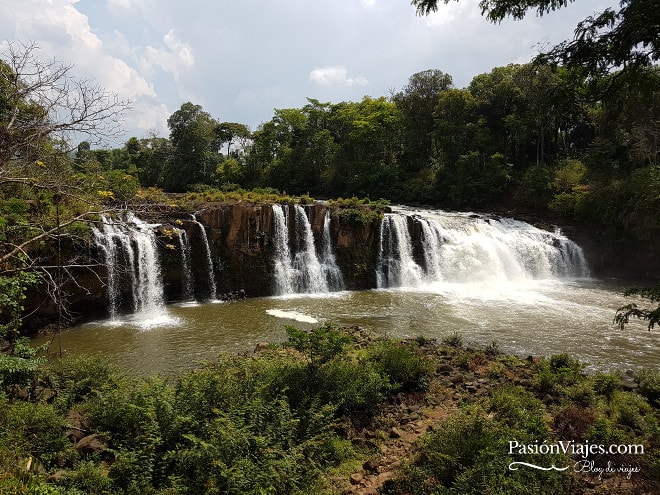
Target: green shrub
pixel 470 454
pixel 247 450
pixel 16 370
pixel 320 345
pixel 12 296
pixel 569 174
pixel 606 383
pixel 35 430
pixel 404 368
pixel 456 445
pixel 492 349
pixel 13 211
pixel 559 371
pixel 631 409
pixel 519 409
pixel 359 216
pixel 581 393
pixel 453 340
pixel 649 384
pixel 350 385
pixel 495 370
pixel 535 189
pixel 134 420
pixel 88 478
pixel 199 188
pixel 355 202
pixel 230 187
pixel 568 204
pixel 78 379
pixel 32 486
pixel 123 186
pixel 604 430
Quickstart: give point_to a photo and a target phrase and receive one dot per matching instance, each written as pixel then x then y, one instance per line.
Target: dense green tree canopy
pixel 194 137
pixel 416 103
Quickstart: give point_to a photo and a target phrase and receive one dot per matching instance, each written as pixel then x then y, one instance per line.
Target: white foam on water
pixel 291 315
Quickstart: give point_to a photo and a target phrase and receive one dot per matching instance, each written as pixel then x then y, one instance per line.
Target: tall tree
pixel 193 134
pixel 231 133
pixel 42 106
pixel 368 137
pixel 153 156
pixel 496 10
pixel 416 103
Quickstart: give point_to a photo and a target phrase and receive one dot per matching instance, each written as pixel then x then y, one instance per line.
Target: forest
pixel 532 136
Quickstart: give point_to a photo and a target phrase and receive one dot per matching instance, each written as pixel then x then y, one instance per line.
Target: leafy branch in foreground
pixel 623 39
pixel 43 198
pixel 624 313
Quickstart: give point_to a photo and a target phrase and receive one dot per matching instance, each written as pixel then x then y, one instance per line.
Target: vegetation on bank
pixel 304 416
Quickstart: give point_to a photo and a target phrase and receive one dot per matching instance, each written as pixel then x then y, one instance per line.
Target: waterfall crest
pixel 129 249
pixel 463 248
pixel 298 267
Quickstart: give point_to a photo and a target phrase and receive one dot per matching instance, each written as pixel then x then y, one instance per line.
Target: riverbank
pixel 332 411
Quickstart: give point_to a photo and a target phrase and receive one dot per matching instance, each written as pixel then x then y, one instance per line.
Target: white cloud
pixel 450 13
pixel 63 32
pixel 179 56
pixel 240 60
pixel 149 116
pixel 336 76
pixel 125 7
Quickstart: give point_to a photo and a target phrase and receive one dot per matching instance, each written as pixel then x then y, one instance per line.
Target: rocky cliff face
pixel 240 239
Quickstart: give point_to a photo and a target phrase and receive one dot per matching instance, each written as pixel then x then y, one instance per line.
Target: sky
pixel 242 59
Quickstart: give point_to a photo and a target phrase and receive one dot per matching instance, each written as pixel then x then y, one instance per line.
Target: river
pixel 533 317
pixel 490 279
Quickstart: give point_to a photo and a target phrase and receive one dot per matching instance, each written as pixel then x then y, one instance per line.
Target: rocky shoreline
pixel 464 377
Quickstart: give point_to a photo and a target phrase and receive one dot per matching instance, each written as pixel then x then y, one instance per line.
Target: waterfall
pixel 431 243
pixel 298 267
pixel 129 246
pixel 209 261
pixel 396 265
pixel 459 248
pixel 328 262
pixel 188 293
pixel 283 272
pixel 308 275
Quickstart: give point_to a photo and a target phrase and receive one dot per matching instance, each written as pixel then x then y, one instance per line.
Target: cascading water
pixel 129 246
pixel 209 261
pixel 308 274
pixel 328 261
pixel 462 249
pixel 396 265
pixel 188 293
pixel 283 272
pixel 298 268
